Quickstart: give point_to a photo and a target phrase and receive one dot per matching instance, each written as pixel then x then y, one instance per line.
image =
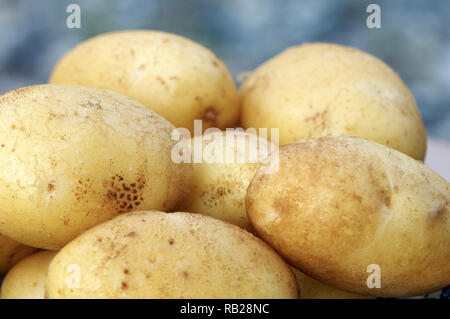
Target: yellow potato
pixel 345 210
pixel 321 89
pixel 11 252
pixel 173 76
pixel 168 255
pixel 75 156
pixel 219 186
pixel 26 280
pixel 313 289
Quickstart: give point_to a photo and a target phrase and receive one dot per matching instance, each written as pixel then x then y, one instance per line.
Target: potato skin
pixel 313 289
pixel 172 75
pixel 26 280
pixel 218 189
pixel 169 255
pixel 340 204
pixel 77 156
pixel 320 89
pixel 11 252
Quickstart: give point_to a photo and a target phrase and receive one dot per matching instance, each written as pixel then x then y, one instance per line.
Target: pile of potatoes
pixel 93 204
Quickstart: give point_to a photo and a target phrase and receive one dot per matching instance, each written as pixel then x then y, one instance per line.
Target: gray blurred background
pixel 414 38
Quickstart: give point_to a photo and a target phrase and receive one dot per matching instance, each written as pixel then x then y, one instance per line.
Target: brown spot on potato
pixel 163 83
pixel 210 115
pixel 441 210
pixel 111 195
pixel 50 187
pixel 387 201
pixel 171 241
pixel 125 195
pixel 124 285
pixel 131 234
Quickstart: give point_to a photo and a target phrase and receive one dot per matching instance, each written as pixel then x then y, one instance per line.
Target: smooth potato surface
pixel 11 252
pixel 75 156
pixel 321 89
pixel 218 187
pixel 168 255
pixel 26 280
pixel 171 75
pixel 340 204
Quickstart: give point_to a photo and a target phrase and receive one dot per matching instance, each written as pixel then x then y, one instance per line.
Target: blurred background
pixel 414 38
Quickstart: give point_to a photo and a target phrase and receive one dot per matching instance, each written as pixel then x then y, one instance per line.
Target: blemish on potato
pixel 50 187
pixel 131 234
pixel 210 115
pixel 388 201
pixel 163 83
pixel 441 210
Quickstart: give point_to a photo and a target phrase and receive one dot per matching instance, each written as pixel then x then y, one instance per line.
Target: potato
pixel 75 156
pixel 168 255
pixel 313 289
pixel 11 252
pixel 26 280
pixel 321 89
pixel 340 207
pixel 219 186
pixel 173 76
